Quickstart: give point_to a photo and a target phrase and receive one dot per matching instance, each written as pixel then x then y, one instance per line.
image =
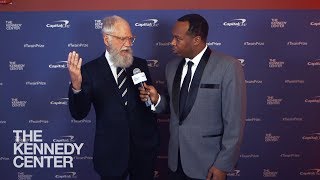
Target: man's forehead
pixel 181 27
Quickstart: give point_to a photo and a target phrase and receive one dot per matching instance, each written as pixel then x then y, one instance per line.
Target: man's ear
pixel 106 40
pixel 196 40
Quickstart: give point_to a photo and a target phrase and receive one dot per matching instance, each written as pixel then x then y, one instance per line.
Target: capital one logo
pixel 148 23
pixel 65 139
pixel 67 175
pixel 242 61
pixel 153 63
pixel 310 172
pixel 59 65
pixel 59 24
pixel 235 172
pixel 236 22
pixel 61 101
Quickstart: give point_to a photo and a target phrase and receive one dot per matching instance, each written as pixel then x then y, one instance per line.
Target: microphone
pixel 138 78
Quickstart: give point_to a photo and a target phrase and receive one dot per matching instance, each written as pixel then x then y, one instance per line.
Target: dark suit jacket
pixel 116 125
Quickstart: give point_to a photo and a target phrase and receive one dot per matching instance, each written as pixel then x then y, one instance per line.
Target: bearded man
pixel 126 136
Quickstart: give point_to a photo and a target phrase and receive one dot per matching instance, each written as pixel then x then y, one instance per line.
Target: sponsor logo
pixel 235 172
pixel 23 176
pixel 59 65
pixel 275 23
pixel 77 45
pixel 16 103
pixel 153 63
pixel 61 101
pixel 13 66
pixel 311 137
pixel 80 121
pixel 214 43
pixel 273 101
pixel 274 63
pixel 314 23
pixel 163 120
pixel 253 120
pixel 162 157
pixel 255 81
pixel 65 139
pixel 156 174
pixel 97 24
pixel 249 156
pixel 39 154
pixel 35 83
pixel 236 22
pixel 66 175
pixel 253 43
pixel 271 138
pixel 148 23
pixel 310 172
pixel 4 159
pixel 3 122
pixel 269 173
pixel 314 63
pixel 297 81
pixel 297 43
pixel 159 82
pixel 283 155
pixel 59 24
pixel 83 157
pixel 242 61
pixel 315 99
pixel 33 45
pixel 163 44
pixel 40 121
pixel 11 26
pixel 292 119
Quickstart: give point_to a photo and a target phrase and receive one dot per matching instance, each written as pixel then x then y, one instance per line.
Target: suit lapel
pixel 176 87
pixel 106 73
pixel 194 87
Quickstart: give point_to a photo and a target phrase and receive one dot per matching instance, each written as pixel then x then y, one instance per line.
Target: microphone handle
pixel 148 102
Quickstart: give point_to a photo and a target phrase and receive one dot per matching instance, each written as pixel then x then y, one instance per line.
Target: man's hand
pixel 148 91
pixel 74 67
pixel 216 174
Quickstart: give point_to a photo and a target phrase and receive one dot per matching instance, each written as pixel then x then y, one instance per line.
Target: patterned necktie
pixel 123 84
pixel 184 88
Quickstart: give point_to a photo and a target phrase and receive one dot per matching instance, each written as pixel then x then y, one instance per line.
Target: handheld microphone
pixel 138 78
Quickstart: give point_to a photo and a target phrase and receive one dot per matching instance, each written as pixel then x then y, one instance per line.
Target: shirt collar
pixel 197 58
pixel 107 55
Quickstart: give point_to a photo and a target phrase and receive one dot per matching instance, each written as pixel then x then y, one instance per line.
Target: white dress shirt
pixel 195 61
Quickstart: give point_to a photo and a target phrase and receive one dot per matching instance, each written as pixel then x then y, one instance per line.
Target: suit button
pixel 180 123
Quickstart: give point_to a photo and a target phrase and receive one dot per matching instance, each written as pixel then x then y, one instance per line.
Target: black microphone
pixel 139 78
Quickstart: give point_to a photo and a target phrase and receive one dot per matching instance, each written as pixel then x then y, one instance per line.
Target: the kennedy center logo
pixel 30 151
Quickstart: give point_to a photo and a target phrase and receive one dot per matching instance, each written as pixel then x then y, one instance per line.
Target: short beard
pixel 118 59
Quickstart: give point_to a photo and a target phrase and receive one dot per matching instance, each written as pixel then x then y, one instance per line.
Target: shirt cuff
pixel 153 107
pixel 76 91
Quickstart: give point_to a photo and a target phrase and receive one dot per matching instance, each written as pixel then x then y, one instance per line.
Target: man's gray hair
pixel 109 22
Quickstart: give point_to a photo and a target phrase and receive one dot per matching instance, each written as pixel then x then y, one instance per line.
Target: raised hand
pixel 74 67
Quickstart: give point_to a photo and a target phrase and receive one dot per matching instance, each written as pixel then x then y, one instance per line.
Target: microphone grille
pixel 136 71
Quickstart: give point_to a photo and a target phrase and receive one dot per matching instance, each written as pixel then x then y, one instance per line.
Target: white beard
pixel 119 60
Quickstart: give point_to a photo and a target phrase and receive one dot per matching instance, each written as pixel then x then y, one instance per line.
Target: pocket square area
pixel 211 86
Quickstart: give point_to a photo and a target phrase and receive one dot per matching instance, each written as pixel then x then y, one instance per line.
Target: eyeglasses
pixel 130 39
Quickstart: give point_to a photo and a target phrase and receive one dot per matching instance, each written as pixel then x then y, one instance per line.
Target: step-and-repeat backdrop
pixel 279 51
